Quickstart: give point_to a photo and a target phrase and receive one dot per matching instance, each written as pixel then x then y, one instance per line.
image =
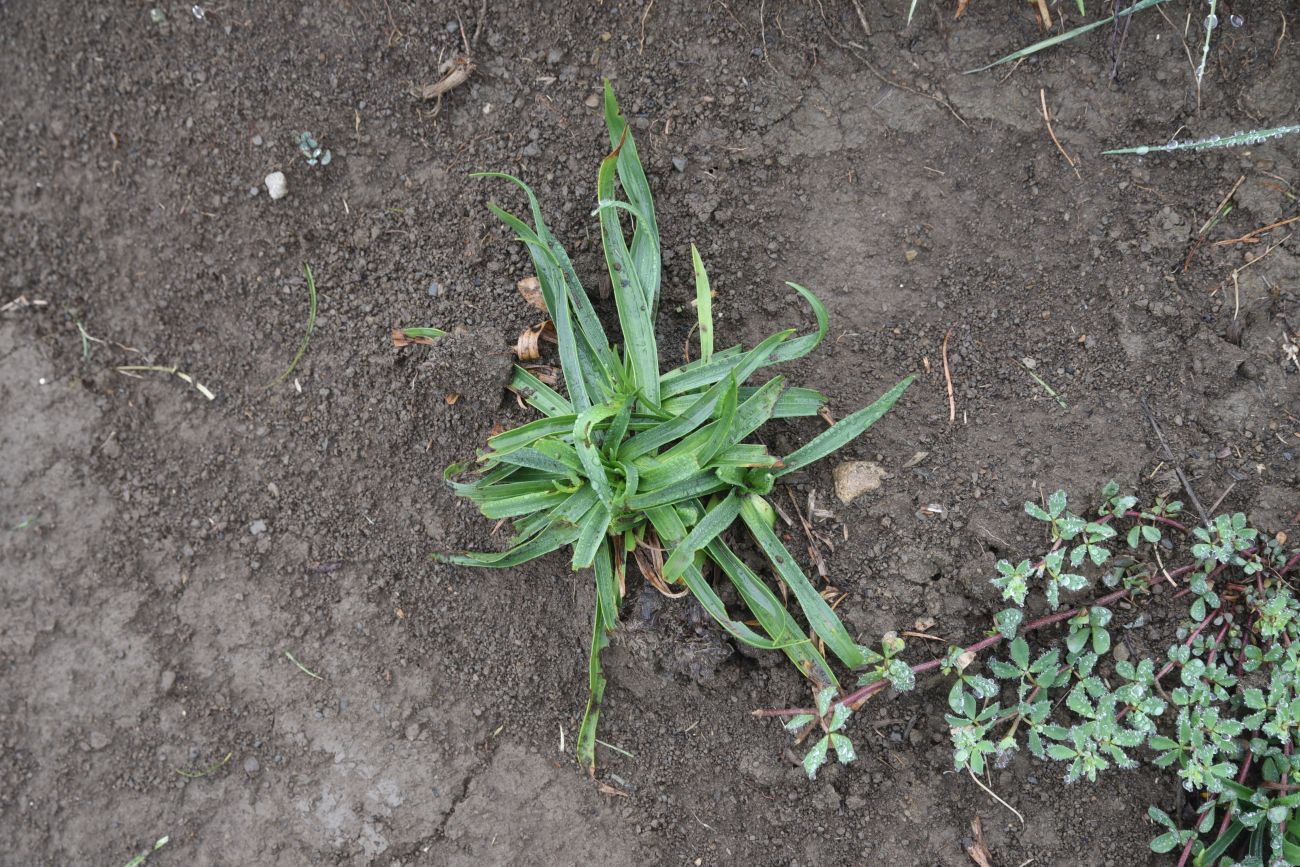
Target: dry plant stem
pixel 1047 118
pixel 947 378
pixel 1187 486
pixel 1253 237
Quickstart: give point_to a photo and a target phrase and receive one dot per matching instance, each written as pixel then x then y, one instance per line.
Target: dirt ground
pixel 161 552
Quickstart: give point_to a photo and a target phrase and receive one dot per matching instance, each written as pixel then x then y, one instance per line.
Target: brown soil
pixel 160 552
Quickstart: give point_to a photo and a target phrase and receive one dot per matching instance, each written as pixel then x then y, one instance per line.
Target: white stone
pixel 276 186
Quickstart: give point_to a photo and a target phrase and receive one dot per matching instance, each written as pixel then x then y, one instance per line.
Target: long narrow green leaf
pixel 538 394
pixel 714 523
pixel 510 507
pixel 594 525
pixel 801 346
pixel 697 485
pixel 797 402
pixel 772 615
pixel 527 434
pixel 567 514
pixel 596 693
pixel 703 306
pixel 589 454
pixel 820 617
pixel 588 323
pixel 534 459
pixel 556 297
pixel 843 431
pixel 670 529
pixel 552 539
pixel 1068 35
pixel 645 236
pixel 635 316
pixel 607 593
pixel 745 455
pixel 506 490
pixel 647 441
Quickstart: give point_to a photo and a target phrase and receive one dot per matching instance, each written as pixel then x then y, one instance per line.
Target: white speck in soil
pixel 257 527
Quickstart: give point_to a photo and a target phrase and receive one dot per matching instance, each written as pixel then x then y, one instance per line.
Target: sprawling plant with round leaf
pixel 649 463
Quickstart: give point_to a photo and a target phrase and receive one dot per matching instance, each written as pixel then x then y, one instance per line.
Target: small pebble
pixel 167 681
pixel 276 185
pixel 679 163
pixel 98 740
pixel 855 478
pixel 257 141
pixel 434 289
pixel 252 766
pixel 257 527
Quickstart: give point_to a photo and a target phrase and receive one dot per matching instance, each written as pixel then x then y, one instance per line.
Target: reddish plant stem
pixel 865 692
pixel 1241 778
pixel 1155 519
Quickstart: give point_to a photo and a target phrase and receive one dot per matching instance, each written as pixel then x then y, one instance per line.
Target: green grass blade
pixel 801 346
pixel 589 455
pixel 556 298
pixel 552 539
pixel 697 485
pixel 745 455
pixel 798 402
pixel 527 434
pixel 635 315
pixel 567 514
pixel 843 431
pixel 700 411
pixel 1068 35
pixel 670 529
pixel 588 323
pixel 607 594
pixel 715 371
pixel 617 431
pixel 545 457
pixel 911 10
pixel 594 525
pixel 505 490
pixel 510 507
pixel 538 394
pixel 645 236
pixel 424 331
pixel 715 522
pixel 703 306
pixel 311 326
pixel 772 615
pixel 596 694
pixel 821 618
pixel 719 431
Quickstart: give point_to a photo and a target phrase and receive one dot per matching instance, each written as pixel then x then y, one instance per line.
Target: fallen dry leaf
pixel 531 289
pixel 607 789
pixel 528 346
pixel 457 74
pixel 401 338
pixel 961 7
pixel 451 397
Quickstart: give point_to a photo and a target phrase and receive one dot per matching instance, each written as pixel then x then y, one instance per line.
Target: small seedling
pixel 144 856
pixel 312 151
pixel 657 464
pixel 311 326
